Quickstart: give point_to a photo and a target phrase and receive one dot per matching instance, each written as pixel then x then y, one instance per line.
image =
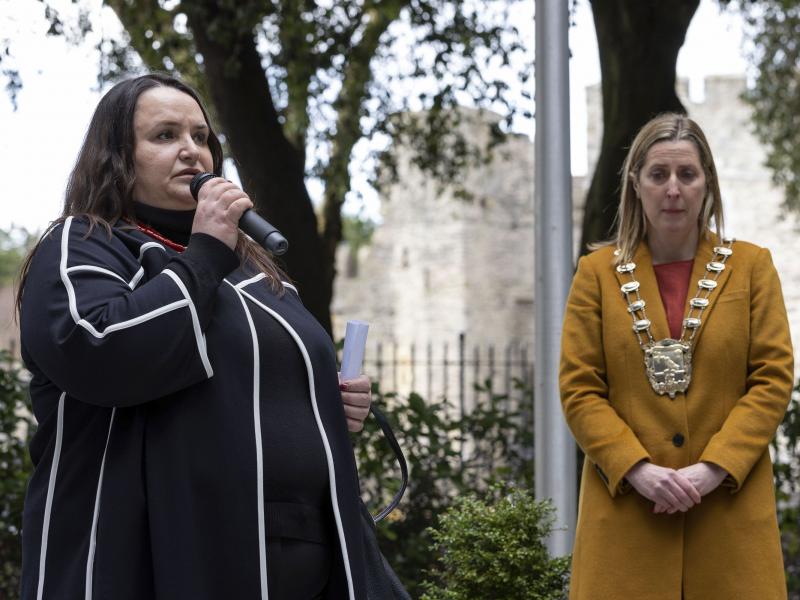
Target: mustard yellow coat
pixel 727 547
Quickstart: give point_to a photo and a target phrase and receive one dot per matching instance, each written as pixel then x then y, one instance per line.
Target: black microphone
pixel 251 222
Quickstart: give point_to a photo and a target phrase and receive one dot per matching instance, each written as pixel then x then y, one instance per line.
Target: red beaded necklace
pixel 157 236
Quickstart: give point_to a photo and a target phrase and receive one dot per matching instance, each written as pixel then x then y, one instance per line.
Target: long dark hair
pixel 100 186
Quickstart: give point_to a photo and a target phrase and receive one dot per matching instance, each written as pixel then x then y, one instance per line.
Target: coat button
pixel 677 440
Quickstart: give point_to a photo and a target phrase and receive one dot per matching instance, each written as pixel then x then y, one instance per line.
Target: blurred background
pixel 407 125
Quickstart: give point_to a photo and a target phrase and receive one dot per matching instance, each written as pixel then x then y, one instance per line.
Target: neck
pixel 671 247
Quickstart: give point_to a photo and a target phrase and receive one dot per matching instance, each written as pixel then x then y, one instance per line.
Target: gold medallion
pixel 668 364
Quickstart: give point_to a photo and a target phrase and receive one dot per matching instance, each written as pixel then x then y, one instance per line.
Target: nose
pixel 189 150
pixel 672 187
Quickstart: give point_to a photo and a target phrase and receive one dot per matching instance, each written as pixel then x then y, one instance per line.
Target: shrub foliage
pixel 15 469
pixel 496 549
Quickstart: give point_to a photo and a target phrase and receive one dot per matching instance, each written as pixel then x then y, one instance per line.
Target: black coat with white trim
pixel 145 382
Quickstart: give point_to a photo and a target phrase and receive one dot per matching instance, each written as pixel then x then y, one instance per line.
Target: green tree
pixel 774 28
pixel 296 84
pixel 14 245
pixel 638 44
pixel 16 427
pixel 786 449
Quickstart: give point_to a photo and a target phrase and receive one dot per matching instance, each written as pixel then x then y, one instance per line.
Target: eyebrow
pixel 665 164
pixel 170 123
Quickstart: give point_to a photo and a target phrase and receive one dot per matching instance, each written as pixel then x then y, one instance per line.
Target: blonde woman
pixel 676 369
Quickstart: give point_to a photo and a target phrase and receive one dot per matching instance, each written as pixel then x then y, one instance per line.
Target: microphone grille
pixel 198 181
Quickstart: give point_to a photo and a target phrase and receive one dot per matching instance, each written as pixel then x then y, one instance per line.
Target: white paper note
pixel 355 340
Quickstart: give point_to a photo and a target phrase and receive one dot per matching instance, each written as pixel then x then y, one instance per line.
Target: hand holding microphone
pixel 236 209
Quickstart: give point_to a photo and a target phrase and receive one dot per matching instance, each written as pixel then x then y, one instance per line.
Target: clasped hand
pixel 675 490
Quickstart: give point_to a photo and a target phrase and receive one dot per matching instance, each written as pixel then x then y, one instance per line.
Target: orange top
pixel 673 284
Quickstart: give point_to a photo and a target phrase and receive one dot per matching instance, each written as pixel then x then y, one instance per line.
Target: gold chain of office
pixel 668 362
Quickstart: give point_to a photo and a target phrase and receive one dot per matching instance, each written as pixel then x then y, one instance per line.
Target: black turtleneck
pixel 175 225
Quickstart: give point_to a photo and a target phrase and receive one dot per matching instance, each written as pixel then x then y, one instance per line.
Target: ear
pixel 635 183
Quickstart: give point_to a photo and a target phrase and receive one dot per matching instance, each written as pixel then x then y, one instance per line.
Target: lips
pixel 190 172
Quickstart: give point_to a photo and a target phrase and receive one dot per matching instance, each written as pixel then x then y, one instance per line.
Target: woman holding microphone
pixel 193 436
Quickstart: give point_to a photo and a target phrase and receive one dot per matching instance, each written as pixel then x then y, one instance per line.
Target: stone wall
pixel 440 265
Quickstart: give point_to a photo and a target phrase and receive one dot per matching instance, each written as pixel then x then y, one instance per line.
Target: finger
pixel 361 383
pixel 682 500
pixel 211 188
pixel 356 412
pixel 237 208
pixel 223 191
pixel 667 492
pixel 229 193
pixel 354 425
pixel 359 399
pixel 688 488
pixel 669 501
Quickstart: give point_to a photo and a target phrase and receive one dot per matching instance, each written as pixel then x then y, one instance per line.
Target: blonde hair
pixel 631 220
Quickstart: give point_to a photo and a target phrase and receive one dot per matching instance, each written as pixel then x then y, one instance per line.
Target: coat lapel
pixel 704 255
pixel 648 290
pixel 650 293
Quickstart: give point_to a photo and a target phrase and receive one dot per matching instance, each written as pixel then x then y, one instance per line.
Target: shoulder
pixel 747 249
pixel 79 240
pixel 599 263
pixel 748 255
pixel 602 257
pixel 79 228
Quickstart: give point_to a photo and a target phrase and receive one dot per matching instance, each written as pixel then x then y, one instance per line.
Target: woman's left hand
pixel 705 476
pixel 356 397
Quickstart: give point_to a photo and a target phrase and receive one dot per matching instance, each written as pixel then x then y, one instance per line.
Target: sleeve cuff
pixel 616 482
pixel 209 254
pixel 733 480
pixel 202 267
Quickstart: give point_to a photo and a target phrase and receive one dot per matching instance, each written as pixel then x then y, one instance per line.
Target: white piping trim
pixel 97 270
pixel 290 286
pixel 198 332
pixel 131 322
pixel 73 304
pixel 147 245
pixel 262 542
pixel 131 284
pixel 51 485
pixel 136 278
pixel 323 435
pixel 241 284
pixel 93 535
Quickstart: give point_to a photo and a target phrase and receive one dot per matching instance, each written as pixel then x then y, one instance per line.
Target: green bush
pixel 496 549
pixel 787 487
pixel 15 468
pixel 448 455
